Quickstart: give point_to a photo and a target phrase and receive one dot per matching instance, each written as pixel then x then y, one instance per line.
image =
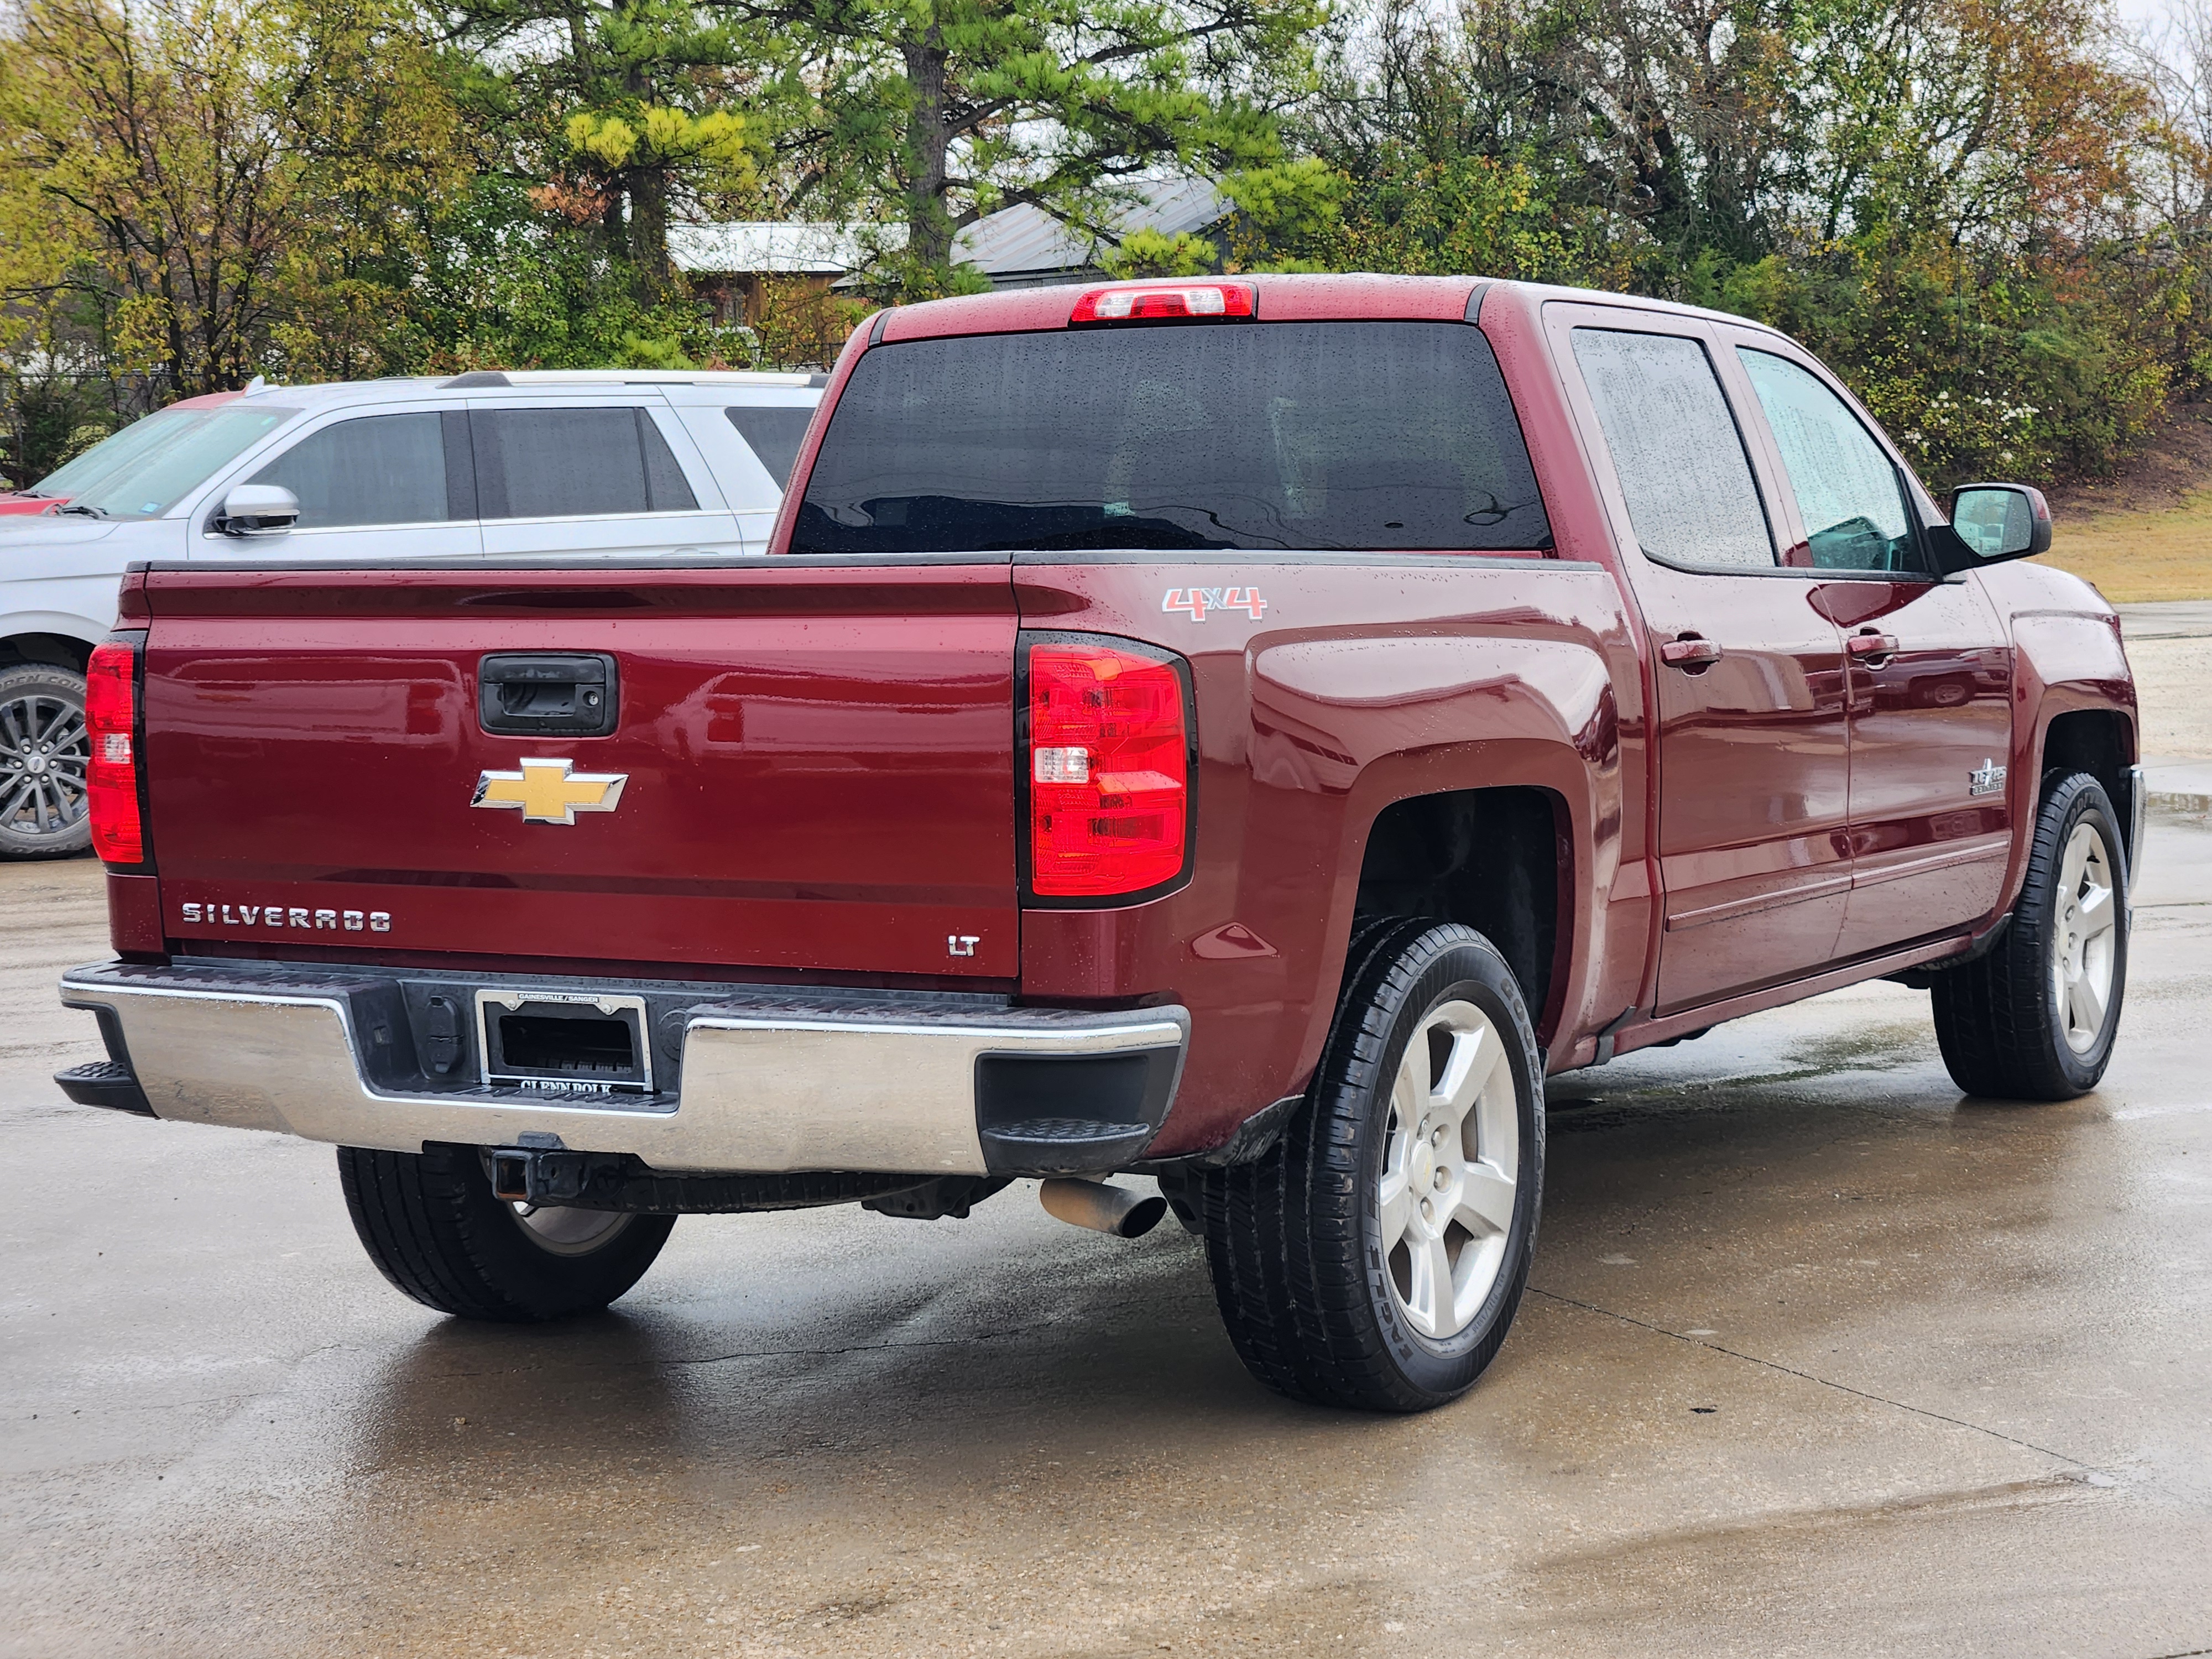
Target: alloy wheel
pixel 1448 1168
pixel 44 753
pixel 2084 944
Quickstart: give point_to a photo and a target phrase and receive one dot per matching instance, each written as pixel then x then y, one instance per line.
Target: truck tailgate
pixel 816 763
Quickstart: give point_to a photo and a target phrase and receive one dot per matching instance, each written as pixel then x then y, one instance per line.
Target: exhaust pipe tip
pixel 1102 1208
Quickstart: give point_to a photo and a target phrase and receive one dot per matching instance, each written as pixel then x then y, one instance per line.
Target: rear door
pixel 815 767
pixel 1931 667
pixel 595 474
pixel 1752 745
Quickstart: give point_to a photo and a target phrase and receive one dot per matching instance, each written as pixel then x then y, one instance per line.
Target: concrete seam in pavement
pixel 762 1353
pixel 1841 1387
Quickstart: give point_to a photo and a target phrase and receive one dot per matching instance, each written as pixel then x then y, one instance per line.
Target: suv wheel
pixel 433 1225
pixel 44 752
pixel 2035 1019
pixel 1375 1258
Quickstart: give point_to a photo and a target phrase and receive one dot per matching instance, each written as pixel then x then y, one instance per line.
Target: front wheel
pixel 2035 1019
pixel 434 1228
pixel 44 752
pixel 1375 1257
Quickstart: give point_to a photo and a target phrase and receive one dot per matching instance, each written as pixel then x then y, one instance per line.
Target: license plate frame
pixel 491 1004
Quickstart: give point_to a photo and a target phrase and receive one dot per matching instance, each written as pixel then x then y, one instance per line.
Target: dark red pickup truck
pixel 1242 733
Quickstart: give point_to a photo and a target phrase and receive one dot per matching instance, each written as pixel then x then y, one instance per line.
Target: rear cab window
pixel 1320 436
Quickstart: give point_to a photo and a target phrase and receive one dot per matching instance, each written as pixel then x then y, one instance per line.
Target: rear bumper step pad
pixel 104 1083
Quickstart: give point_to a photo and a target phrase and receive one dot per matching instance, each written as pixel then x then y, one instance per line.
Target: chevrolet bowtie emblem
pixel 547 791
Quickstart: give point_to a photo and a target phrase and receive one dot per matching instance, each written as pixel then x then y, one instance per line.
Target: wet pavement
pixel 1819 1359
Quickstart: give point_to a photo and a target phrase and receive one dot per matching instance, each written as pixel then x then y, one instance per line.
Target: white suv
pixel 593 463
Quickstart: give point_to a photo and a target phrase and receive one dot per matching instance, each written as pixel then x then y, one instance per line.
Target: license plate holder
pixel 564 1042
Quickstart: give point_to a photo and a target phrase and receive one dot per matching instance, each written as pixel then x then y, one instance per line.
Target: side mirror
pixel 1993 522
pixel 252 509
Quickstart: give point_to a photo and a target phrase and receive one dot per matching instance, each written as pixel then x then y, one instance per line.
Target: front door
pixel 1930 668
pixel 1752 748
pixel 396 484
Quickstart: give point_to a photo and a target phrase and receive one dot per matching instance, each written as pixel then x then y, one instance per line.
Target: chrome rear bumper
pixel 770 1079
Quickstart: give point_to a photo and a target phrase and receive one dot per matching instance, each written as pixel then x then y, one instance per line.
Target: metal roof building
pixel 1017 247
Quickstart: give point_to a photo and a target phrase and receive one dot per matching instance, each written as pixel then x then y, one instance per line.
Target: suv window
pixel 1354 435
pixel 570 463
pixel 1849 495
pixel 381 469
pixel 773 435
pixel 1675 447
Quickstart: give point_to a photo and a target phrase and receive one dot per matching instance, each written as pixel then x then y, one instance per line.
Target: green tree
pixel 225 182
pixel 620 116
pixel 931 114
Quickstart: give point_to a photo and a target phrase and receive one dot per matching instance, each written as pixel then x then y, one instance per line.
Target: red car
pixel 1245 733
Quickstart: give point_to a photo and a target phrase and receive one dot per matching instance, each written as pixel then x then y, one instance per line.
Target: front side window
pixel 148 467
pixel 378 470
pixel 1681 460
pixel 1381 437
pixel 576 463
pixel 1849 497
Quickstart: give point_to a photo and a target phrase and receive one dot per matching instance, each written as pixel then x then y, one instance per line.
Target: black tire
pixel 2001 1022
pixel 1308 1286
pixel 44 752
pixel 432 1225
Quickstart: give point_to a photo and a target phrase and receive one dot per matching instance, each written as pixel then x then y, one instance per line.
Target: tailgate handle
pixel 559 694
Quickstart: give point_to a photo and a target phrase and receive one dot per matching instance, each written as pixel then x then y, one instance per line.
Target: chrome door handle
pixel 1690 652
pixel 1871 644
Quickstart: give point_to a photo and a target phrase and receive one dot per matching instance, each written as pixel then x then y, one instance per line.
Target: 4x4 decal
pixel 1198 603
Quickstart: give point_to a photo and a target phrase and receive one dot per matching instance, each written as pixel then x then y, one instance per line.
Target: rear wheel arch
pixel 1500 859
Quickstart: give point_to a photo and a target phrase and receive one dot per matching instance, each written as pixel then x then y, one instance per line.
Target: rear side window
pixel 571 462
pixel 773 435
pixel 1675 449
pixel 381 469
pixel 1320 436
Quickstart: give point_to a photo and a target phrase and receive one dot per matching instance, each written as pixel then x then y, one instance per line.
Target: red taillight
pixel 1109 771
pixel 1150 301
pixel 111 718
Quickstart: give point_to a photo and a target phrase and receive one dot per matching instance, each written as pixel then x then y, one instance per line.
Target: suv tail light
pixel 111 718
pixel 1152 301
pixel 1110 763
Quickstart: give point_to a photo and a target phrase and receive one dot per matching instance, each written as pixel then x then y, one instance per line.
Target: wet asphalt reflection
pixel 1820 1358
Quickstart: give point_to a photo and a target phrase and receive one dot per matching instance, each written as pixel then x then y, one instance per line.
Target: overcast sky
pixel 2146 12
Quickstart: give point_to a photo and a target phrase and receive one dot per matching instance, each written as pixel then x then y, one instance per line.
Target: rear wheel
pixel 434 1228
pixel 1375 1257
pixel 44 753
pixel 2035 1019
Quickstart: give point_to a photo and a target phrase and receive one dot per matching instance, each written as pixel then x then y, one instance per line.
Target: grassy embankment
pixel 2164 554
